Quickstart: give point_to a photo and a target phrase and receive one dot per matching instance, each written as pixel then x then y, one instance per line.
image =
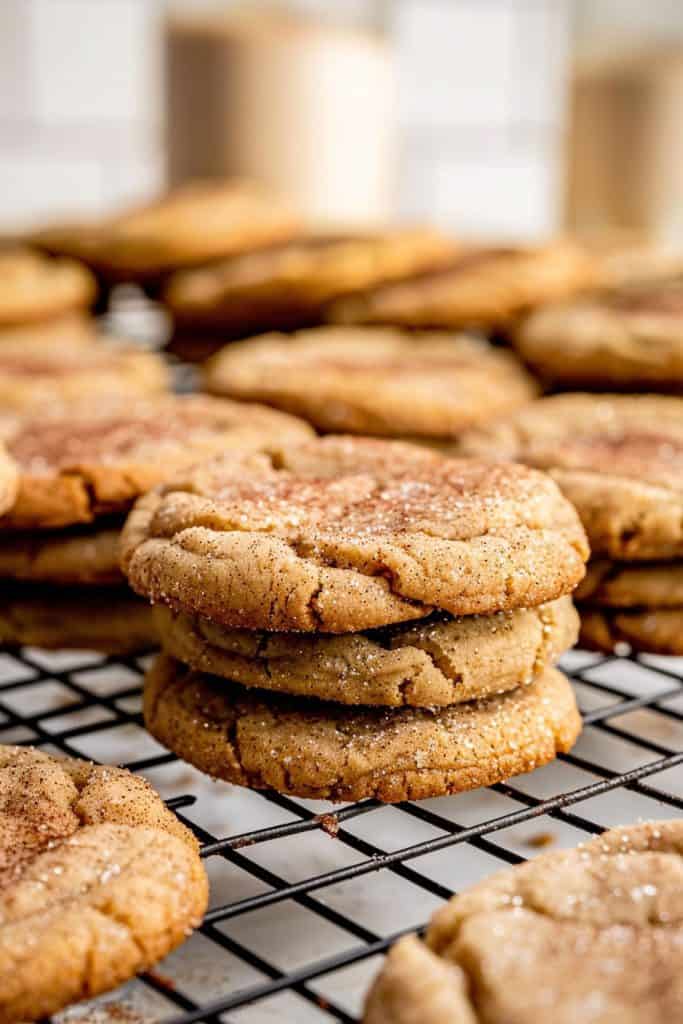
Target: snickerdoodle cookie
pixel 648 630
pixel 80 555
pixel 40 376
pixel 191 225
pixel 328 751
pixel 590 934
pixel 97 458
pixel 108 619
pixel 482 288
pixel 631 339
pixel 288 286
pixel 434 662
pixel 632 585
pixel 9 480
pixel 617 458
pixel 343 534
pixel 98 880
pixel 374 381
pixel 34 288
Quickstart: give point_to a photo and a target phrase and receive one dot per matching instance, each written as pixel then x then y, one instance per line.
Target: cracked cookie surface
pixel 373 380
pixel 617 458
pixel 98 458
pixel 435 662
pixel 98 881
pixel 109 619
pixel 593 933
pixel 341 534
pixel 332 752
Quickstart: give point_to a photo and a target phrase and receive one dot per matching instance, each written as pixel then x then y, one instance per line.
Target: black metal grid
pixel 59 702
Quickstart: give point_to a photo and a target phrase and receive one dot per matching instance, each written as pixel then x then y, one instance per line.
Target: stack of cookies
pixel 78 473
pixel 347 618
pixel 427 386
pixel 619 460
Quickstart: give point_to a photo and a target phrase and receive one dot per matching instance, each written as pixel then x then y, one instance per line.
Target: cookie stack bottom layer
pixel 637 604
pixel 327 751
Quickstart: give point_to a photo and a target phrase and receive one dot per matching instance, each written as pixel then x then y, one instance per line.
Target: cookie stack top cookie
pixel 341 534
pixel 374 381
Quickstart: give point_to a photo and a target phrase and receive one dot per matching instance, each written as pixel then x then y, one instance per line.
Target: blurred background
pixel 495 118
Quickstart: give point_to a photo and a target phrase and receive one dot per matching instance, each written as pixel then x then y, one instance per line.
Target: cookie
pixel 9 480
pixel 99 880
pixel 193 224
pixel 288 286
pixel 70 329
pixel 44 376
pixel 374 381
pixel 330 752
pixel 481 288
pixel 111 620
pixel 630 340
pixel 433 663
pixel 34 288
pixel 652 631
pixel 97 458
pixel 589 934
pixel 640 585
pixel 617 458
pixel 74 556
pixel 340 534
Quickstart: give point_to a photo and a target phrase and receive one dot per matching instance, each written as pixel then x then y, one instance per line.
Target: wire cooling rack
pixel 306 896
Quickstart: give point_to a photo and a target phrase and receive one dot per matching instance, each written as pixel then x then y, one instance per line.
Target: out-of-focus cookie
pixel 631 339
pixel 111 620
pixel 34 288
pixel 435 662
pixel 342 534
pixel 99 881
pixel 617 458
pixel 78 556
pixel 374 381
pixel 648 630
pixel 193 224
pixel 563 937
pixel 69 329
pixel 483 287
pixel 632 585
pixel 9 480
pixel 41 377
pixel 328 751
pixel 96 459
pixel 288 286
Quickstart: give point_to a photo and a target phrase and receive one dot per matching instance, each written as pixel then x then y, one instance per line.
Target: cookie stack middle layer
pixel 346 618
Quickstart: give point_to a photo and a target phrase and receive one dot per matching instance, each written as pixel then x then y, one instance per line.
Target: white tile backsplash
pixel 481 101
